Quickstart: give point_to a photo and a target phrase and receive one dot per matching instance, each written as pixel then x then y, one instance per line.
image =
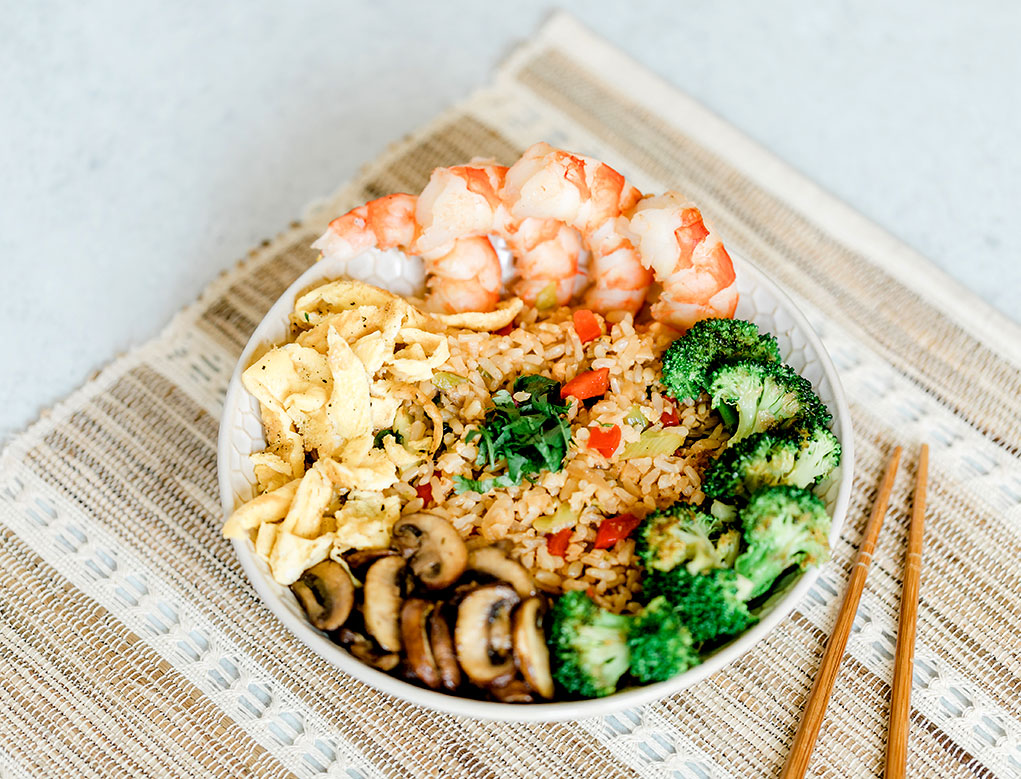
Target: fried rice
pixel 590 486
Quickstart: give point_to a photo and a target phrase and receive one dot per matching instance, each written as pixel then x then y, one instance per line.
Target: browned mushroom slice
pixel 362 558
pixel 326 593
pixel 492 561
pixel 530 651
pixel 443 650
pixel 382 606
pixel 365 650
pixel 414 623
pixel 514 691
pixel 434 549
pixel 484 616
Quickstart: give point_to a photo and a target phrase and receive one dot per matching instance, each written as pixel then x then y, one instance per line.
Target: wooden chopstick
pixel 903 669
pixel 815 709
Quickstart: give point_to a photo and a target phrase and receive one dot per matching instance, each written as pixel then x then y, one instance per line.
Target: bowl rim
pixel 533 712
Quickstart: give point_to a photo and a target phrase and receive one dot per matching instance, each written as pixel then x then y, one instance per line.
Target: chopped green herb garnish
pixel 528 436
pixel 377 440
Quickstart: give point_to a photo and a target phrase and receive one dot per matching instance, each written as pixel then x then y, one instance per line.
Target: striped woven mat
pixel 133 645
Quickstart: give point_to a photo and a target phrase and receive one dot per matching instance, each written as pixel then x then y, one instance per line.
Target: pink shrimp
pixel 465 273
pixel 687 258
pixel 387 222
pixel 465 278
pixel 466 200
pixel 546 253
pixel 592 198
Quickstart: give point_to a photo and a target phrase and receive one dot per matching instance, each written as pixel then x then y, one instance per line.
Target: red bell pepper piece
pixel 669 418
pixel 614 529
pixel 590 384
pixel 586 325
pixel 506 329
pixel 556 543
pixel 425 492
pixel 604 440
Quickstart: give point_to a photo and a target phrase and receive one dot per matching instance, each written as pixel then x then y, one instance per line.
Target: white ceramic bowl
pixel 241 434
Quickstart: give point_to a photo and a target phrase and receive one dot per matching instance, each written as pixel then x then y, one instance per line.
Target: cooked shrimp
pixel 464 272
pixel 465 278
pixel 687 258
pixel 546 253
pixel 590 197
pixel 460 201
pixel 387 222
pixel 466 200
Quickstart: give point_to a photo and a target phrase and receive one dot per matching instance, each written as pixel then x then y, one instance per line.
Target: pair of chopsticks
pixel 897 742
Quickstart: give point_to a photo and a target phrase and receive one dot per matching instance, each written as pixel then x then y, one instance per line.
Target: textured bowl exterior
pixel 241 434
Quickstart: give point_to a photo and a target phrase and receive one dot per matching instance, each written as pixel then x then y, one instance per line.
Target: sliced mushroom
pixel 482 634
pixel 492 561
pixel 414 632
pixel 382 606
pixel 326 593
pixel 366 651
pixel 530 651
pixel 514 691
pixel 443 650
pixel 434 549
pixel 362 558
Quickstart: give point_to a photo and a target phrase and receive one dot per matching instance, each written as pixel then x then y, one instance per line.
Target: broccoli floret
pixel 688 361
pixel 818 454
pixel 799 458
pixel 761 459
pixel 783 526
pixel 711 605
pixel 661 647
pixel 765 395
pixel 681 535
pixel 589 646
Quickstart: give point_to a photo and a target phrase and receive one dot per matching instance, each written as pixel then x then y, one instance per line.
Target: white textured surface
pixel 241 434
pixel 145 147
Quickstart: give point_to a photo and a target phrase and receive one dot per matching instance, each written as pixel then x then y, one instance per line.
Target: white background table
pixel 144 147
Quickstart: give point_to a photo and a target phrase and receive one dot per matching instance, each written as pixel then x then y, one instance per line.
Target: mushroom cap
pixel 435 551
pixel 415 614
pixel 363 558
pixel 443 649
pixel 514 691
pixel 530 651
pixel 366 650
pixel 326 593
pixel 381 606
pixel 482 634
pixel 492 560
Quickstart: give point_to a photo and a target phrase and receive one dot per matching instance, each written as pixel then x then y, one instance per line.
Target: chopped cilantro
pixel 377 440
pixel 527 437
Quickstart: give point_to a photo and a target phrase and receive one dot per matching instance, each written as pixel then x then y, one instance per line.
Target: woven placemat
pixel 133 645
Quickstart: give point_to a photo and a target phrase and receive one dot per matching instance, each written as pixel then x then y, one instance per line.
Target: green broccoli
pixel 683 535
pixel 689 360
pixel 818 454
pixel 765 395
pixel 799 458
pixel 661 647
pixel 710 605
pixel 783 526
pixel 589 646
